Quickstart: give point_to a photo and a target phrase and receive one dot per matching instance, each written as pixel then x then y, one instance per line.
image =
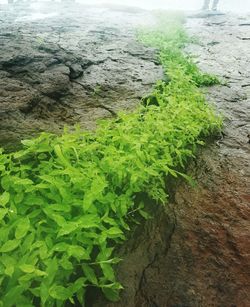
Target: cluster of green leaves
pixel 66 201
pixel 170 37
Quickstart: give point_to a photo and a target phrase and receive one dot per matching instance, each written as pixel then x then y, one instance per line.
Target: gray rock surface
pixel 67 64
pixel 195 251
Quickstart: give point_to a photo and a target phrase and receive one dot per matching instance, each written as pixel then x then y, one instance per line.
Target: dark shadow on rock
pixel 77 66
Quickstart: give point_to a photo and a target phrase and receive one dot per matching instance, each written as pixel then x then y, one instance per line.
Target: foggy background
pixel 224 5
pixel 227 5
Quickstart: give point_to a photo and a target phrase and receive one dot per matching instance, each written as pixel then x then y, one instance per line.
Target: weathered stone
pixel 84 63
pixel 194 252
pixel 16 96
pixel 201 257
pixel 76 71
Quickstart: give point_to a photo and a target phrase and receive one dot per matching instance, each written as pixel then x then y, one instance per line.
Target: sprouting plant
pixel 66 201
pixel 97 90
pixel 170 37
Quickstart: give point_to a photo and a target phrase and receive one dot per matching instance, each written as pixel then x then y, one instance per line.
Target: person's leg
pixel 206 5
pixel 215 4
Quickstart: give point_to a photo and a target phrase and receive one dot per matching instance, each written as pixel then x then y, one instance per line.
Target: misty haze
pixel 227 5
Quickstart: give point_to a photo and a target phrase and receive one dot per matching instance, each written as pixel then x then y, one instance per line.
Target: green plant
pixel 97 90
pixel 65 202
pixel 170 37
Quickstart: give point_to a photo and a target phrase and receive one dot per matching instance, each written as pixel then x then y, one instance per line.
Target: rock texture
pixel 195 252
pixel 82 64
pixel 67 64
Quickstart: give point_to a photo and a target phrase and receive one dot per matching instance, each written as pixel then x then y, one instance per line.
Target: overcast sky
pixel 235 5
pixel 225 5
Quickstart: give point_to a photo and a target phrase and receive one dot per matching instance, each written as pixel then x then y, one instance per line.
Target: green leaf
pixel 35 292
pixel 8 260
pixel 13 296
pixel 78 284
pixel 58 219
pixel 88 201
pixel 111 294
pixel 43 251
pixel 66 264
pixel 78 252
pixel 3 212
pixel 4 198
pixel 27 268
pixel 5 182
pixel 68 228
pixel 113 231
pixel 40 273
pixel 108 271
pixel 60 155
pixel 29 239
pixel 190 180
pixel 90 274
pixel 28 143
pixel 19 197
pixel 59 292
pixel 144 214
pixel 105 253
pixel 22 228
pixel 81 296
pixel 89 221
pixel 24 279
pixel 61 247
pixel 52 268
pixel 9 270
pixel 44 293
pixel 9 246
pixel 21 181
pixel 34 214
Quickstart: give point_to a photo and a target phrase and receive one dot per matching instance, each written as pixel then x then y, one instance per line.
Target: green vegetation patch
pixel 66 202
pixel 170 37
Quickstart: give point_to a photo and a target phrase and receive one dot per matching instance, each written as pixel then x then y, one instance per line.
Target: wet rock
pixel 76 71
pixel 213 43
pixel 205 261
pixel 83 62
pixel 146 244
pixel 16 96
pixel 17 61
pixel 54 83
pixel 194 252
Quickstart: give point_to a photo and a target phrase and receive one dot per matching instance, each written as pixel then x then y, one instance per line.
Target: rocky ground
pixel 80 67
pixel 196 251
pixel 67 64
